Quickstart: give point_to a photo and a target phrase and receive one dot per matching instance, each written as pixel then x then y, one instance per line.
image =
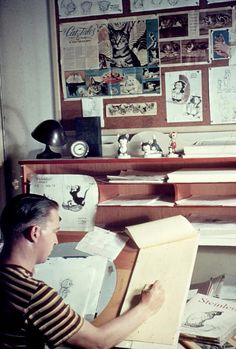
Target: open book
pixel 167 253
pixel 209 320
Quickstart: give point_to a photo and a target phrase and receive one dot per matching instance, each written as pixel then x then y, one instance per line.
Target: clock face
pixel 79 149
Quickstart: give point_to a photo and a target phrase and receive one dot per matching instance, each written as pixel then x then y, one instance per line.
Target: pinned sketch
pixel 81 8
pixel 149 5
pixel 131 109
pixel 222 95
pixel 69 277
pixel 93 107
pixel 184 96
pixel 77 196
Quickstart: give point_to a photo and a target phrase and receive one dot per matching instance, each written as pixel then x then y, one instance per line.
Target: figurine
pixel 172 145
pixel 123 141
pixel 151 149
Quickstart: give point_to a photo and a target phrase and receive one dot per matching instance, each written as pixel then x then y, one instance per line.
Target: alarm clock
pixel 79 149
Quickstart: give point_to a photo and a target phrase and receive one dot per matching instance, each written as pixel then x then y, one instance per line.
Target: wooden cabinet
pixel 120 216
pixel 211 261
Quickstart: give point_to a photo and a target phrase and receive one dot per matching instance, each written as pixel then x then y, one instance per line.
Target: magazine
pixel 209 320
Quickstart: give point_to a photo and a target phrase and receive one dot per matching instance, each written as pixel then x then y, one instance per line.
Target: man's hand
pixel 153 296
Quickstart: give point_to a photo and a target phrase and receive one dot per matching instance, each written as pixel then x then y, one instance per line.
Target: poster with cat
pixel 77 196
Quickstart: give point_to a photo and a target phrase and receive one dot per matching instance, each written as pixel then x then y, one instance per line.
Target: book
pixel 167 252
pixel 188 344
pixel 198 175
pixel 209 320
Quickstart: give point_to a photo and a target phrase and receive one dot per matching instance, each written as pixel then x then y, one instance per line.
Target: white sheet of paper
pixel 93 106
pixel 103 243
pixel 77 280
pixel 77 196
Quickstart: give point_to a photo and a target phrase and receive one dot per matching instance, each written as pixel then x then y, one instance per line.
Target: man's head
pixel 28 216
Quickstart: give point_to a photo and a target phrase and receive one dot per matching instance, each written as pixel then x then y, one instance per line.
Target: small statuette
pixel 122 150
pixel 151 149
pixel 172 146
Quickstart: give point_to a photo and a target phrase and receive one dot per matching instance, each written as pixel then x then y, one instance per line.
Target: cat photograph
pixel 123 44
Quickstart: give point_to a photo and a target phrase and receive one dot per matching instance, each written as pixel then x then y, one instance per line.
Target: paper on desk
pixel 102 242
pixel 208 200
pixel 69 276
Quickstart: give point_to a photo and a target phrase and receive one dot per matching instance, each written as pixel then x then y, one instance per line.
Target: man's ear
pixel 32 233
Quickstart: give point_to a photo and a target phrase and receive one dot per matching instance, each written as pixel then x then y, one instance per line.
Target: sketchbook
pixel 167 252
pixel 209 320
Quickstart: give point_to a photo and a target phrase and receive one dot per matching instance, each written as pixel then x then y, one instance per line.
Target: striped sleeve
pixel 51 317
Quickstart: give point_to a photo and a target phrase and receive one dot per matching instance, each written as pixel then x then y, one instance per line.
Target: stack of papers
pixel 131 176
pixel 197 175
pixel 208 200
pixel 217 231
pixel 198 151
pixel 138 200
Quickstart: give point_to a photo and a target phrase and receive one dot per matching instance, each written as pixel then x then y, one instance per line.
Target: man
pixel 32 314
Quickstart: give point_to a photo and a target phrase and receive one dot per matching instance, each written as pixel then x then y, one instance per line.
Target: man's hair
pixel 22 212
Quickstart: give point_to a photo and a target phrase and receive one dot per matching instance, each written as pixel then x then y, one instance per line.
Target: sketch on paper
pixel 149 5
pixel 221 94
pixel 131 109
pixel 77 196
pixel 81 8
pixel 184 96
pixel 69 277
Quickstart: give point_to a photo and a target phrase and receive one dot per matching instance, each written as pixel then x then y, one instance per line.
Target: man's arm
pixel 116 330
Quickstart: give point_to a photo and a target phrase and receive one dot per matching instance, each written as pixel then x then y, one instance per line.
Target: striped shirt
pixel 32 314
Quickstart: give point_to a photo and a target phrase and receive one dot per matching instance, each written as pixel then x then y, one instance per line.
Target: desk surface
pixel 124 264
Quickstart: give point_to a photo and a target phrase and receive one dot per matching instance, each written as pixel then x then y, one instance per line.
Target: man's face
pixel 48 237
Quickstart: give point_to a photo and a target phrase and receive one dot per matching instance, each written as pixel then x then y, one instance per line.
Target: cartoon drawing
pixel 104 5
pixel 65 286
pixel 200 319
pixel 178 91
pixel 68 6
pixel 77 202
pixel 138 4
pixel 86 7
pixel 193 106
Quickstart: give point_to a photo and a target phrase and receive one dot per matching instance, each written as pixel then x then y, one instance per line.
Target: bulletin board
pixel 175 68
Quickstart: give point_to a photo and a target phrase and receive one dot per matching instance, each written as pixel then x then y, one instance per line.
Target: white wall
pixel 26 73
